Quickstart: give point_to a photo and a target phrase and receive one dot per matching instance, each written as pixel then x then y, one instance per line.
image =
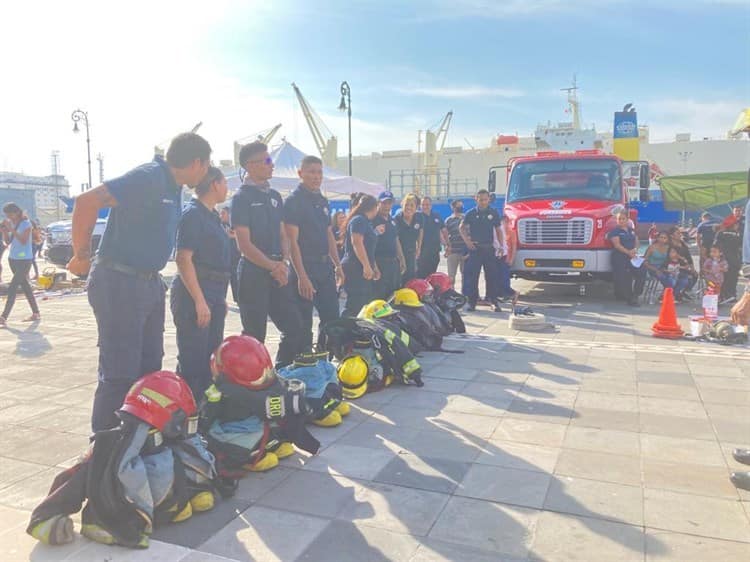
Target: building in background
pixel 46 194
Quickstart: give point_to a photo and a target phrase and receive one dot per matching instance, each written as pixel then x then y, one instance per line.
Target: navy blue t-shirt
pixel 140 231
pixel 626 235
pixel 261 211
pixel 359 225
pixel 408 234
pixel 707 232
pixel 387 240
pixel 201 231
pixel 482 224
pixel 433 224
pixel 308 211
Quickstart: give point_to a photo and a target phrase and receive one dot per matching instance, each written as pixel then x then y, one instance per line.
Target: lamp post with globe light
pixel 79 115
pixel 346 105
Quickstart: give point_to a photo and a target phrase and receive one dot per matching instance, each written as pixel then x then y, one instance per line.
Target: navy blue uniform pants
pixel 628 280
pixel 129 315
pixel 359 291
pixel 482 257
pixel 194 344
pixel 428 262
pixel 390 277
pixel 325 300
pixel 261 297
pixel 411 267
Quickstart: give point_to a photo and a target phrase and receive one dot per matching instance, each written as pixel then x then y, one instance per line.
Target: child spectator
pixel 675 273
pixel 714 267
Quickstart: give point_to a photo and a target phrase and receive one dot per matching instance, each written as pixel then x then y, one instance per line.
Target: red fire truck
pixel 560 207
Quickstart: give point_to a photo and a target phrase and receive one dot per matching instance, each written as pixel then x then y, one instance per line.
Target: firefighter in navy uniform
pixel 479 228
pixel 388 255
pixel 435 234
pixel 199 290
pixel 264 288
pixel 125 289
pixel 313 248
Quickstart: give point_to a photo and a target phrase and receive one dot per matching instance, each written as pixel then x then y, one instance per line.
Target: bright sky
pixel 145 70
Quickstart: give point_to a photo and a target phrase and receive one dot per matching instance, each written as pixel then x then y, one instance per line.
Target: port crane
pixel 264 136
pixel 325 141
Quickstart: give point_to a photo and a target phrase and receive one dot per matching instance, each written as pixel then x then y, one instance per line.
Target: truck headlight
pixel 578 264
pixel 529 263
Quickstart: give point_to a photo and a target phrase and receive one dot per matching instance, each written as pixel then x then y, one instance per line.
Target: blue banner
pixel 626 125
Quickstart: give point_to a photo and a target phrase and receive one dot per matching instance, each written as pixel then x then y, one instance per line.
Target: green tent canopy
pixel 703 191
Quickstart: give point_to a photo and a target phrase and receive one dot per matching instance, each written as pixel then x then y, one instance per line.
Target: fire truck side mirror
pixel 644 181
pixel 492 181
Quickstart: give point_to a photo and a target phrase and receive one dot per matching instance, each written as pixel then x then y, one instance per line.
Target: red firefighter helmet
pixel 245 361
pixel 419 286
pixel 163 400
pixel 440 282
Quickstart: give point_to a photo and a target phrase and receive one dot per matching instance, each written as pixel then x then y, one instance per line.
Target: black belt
pixel 211 274
pixel 316 259
pixel 126 269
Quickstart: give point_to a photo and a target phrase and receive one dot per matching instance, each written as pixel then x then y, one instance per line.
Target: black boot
pixel 742 455
pixel 741 480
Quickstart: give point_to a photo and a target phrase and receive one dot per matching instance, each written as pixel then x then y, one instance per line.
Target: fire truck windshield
pixel 565 179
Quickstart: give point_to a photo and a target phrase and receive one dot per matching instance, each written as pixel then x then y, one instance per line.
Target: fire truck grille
pixel 570 231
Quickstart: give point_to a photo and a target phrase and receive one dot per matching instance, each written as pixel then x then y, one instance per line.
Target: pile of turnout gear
pixel 170 457
pixel 150 470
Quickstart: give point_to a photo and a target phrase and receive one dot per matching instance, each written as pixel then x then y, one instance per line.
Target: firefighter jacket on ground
pixel 240 423
pixel 131 480
pixel 322 388
pixel 450 303
pixel 420 323
pixel 348 336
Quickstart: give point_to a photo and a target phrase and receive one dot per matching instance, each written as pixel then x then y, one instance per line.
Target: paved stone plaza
pixel 595 443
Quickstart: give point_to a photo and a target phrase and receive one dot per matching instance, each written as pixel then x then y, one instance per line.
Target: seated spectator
pixel 656 254
pixel 676 240
pixel 674 274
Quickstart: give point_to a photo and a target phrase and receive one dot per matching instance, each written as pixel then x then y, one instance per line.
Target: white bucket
pixel 698 326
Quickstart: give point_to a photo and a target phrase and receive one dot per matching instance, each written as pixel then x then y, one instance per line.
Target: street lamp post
pixel 346 105
pixel 79 115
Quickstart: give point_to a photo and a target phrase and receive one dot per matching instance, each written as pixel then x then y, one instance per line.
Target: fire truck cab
pixel 560 207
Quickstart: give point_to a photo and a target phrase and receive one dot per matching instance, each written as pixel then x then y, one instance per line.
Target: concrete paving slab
pixel 394 508
pixel 664 546
pixel 311 493
pixel 351 461
pixel 344 540
pixel 522 456
pixel 261 533
pixel 505 485
pixel 695 515
pixel 423 473
pixel 689 478
pixel 605 419
pixel 594 540
pixel 605 467
pixel 602 441
pixel 535 432
pixel 599 500
pixel 677 449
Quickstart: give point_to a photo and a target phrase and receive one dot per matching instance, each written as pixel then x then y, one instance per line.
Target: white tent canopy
pixel 286 161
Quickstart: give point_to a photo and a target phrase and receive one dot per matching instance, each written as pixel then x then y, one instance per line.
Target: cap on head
pixel 385 196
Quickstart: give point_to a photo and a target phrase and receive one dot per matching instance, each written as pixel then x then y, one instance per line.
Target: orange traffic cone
pixel 666 326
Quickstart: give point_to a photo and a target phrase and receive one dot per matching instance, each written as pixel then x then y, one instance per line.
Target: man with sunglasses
pixel 263 273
